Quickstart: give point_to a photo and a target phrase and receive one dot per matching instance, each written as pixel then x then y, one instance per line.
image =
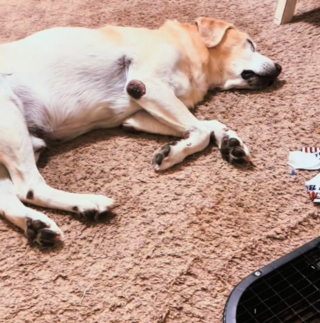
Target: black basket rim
pixel 230 310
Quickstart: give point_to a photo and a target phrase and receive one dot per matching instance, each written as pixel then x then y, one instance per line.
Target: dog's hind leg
pixel 37 226
pixel 16 153
pixel 143 121
pixel 38 146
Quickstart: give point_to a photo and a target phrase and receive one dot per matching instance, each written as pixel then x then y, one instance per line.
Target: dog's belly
pixel 104 115
pixel 64 115
pixel 72 85
pixel 67 115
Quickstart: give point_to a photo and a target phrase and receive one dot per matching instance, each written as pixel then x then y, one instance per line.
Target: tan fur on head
pixel 234 59
pixel 212 31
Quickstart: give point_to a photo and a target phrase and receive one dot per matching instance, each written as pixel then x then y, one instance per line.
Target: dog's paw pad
pixel 90 214
pixel 93 214
pixel 233 151
pixel 161 155
pixel 233 142
pixel 40 232
pixel 238 152
pixel 93 206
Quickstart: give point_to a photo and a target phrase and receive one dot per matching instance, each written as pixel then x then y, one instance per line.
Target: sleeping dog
pixel 63 82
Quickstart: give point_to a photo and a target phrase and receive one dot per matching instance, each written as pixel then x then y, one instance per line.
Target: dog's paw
pixel 92 206
pixel 43 233
pixel 164 158
pixel 233 150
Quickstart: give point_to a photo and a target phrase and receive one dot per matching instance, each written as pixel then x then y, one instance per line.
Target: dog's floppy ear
pixel 212 31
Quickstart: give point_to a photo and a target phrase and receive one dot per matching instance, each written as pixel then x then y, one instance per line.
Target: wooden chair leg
pixel 285 11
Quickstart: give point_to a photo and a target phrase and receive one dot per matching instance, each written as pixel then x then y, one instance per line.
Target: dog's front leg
pixel 159 100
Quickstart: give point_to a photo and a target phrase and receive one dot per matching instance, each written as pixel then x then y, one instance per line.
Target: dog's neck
pixel 205 63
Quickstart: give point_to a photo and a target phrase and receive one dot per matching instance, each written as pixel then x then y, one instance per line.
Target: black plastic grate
pixel 289 293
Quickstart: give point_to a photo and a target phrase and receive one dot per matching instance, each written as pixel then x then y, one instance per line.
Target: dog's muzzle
pixel 266 79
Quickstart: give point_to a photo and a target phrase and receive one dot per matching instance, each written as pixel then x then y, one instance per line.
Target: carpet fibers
pixel 180 241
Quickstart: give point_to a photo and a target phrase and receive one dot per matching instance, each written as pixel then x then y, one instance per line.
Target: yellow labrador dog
pixel 60 83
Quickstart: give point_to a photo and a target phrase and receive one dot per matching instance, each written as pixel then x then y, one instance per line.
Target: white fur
pixel 67 81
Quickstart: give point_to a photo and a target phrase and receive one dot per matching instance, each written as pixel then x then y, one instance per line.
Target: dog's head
pixel 234 59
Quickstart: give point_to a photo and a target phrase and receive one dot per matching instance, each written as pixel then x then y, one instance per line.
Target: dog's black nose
pixel 274 74
pixel 278 67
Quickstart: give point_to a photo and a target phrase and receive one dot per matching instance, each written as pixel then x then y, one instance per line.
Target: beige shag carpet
pixel 179 241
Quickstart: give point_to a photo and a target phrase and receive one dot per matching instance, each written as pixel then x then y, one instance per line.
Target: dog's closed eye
pixel 251 45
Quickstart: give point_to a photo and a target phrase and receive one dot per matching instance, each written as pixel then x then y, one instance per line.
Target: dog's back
pixel 64 76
